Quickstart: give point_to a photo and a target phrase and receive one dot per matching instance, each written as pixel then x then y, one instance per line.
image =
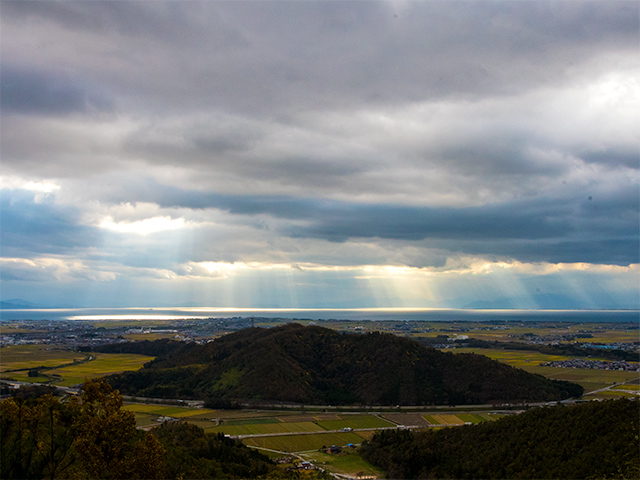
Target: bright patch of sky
pixel 320 154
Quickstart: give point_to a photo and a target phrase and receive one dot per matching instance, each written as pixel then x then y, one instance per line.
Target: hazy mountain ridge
pixel 316 365
pixel 16 303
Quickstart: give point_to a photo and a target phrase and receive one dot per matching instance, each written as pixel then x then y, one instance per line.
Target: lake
pixel 374 314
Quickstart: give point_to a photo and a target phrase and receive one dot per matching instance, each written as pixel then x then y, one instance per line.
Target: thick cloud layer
pixel 148 141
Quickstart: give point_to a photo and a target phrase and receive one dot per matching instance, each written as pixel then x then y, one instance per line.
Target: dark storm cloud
pixel 284 57
pixel 342 133
pixel 40 228
pixel 555 230
pixel 610 251
pixel 616 157
pixel 586 229
pixel 158 20
pixel 28 91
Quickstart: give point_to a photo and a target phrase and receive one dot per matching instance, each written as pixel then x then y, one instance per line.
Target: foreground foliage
pixel 594 440
pixel 89 437
pixel 317 365
pixel 93 437
pixel 193 454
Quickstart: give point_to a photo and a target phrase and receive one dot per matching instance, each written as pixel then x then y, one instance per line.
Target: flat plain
pixel 301 432
pixel 62 366
pixel 589 379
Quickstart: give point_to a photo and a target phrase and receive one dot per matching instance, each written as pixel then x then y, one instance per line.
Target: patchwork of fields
pixel 32 356
pixel 102 364
pixel 590 379
pixel 61 366
pixel 305 434
pixel 301 433
pixel 298 433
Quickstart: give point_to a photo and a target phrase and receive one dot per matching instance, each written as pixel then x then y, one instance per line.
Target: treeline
pixel 566 349
pixel 317 365
pixel 92 437
pixel 152 348
pixel 593 440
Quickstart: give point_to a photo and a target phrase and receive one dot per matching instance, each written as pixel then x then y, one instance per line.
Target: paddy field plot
pixel 355 421
pixel 23 377
pixel 627 387
pixel 298 418
pixel 255 421
pixel 477 417
pixel 147 414
pixel 613 336
pixel 303 443
pixel 607 394
pixel 345 463
pixel 589 379
pixel 101 365
pixel 64 367
pixel 248 414
pixel 143 420
pixel 266 428
pixel 14 357
pixel 443 419
pixel 168 411
pixel 407 419
pixel 515 358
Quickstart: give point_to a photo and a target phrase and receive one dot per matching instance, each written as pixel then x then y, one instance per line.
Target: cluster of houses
pixel 626 346
pixel 295 464
pixel 594 364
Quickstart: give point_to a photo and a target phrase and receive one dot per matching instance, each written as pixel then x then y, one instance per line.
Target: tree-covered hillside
pixel 316 365
pixel 594 440
pixel 93 437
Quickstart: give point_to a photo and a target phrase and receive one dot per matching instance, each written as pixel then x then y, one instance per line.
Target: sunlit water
pixel 375 314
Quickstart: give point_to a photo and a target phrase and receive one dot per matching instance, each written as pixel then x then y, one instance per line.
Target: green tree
pixel 91 437
pixel 36 439
pixel 108 441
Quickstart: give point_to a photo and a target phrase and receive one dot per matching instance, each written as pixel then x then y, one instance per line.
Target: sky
pixel 320 154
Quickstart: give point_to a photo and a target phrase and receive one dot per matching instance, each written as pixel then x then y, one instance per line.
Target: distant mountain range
pixel 314 365
pixel 16 303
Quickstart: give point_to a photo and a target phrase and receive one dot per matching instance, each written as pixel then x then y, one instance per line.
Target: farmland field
pixel 32 356
pixel 346 463
pixel 627 387
pixel 23 377
pixel 249 414
pixel 516 358
pixel 263 428
pixel 102 364
pixel 443 419
pixel 613 336
pixel 610 394
pixel 408 419
pixel 355 421
pixel 162 410
pixel 252 421
pixel 477 417
pixel 590 379
pixel 299 418
pixel 143 419
pixel 302 443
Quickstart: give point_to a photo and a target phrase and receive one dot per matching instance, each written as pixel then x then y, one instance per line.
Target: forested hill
pixel 315 365
pixel 593 440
